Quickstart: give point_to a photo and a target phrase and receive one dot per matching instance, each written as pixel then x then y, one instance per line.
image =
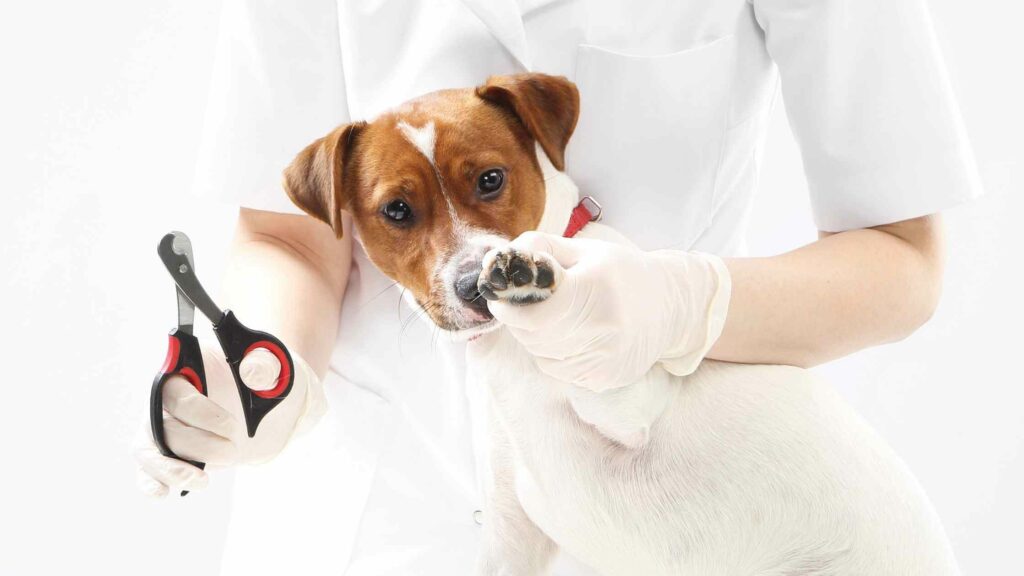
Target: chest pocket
pixel 649 140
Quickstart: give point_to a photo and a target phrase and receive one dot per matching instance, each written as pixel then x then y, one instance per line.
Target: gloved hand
pixel 617 311
pixel 212 429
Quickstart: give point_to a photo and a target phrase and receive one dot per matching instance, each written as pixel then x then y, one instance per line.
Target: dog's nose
pixel 466 288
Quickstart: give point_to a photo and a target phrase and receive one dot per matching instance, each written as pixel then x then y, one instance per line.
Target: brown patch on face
pixel 377 165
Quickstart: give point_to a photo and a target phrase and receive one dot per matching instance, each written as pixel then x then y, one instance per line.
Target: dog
pixel 735 469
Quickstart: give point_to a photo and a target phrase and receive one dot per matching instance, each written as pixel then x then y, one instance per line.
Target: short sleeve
pixel 871 106
pixel 278 84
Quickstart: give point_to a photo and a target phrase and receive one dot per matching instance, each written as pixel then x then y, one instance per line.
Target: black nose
pixel 466 289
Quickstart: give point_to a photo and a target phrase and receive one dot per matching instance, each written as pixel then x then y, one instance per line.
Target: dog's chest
pixel 566 469
pixel 535 409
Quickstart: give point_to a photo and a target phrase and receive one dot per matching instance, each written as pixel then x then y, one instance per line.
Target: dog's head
pixel 434 184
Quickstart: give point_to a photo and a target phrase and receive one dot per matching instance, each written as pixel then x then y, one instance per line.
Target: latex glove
pixel 212 429
pixel 617 311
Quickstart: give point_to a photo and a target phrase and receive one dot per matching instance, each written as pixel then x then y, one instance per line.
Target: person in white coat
pixel 675 100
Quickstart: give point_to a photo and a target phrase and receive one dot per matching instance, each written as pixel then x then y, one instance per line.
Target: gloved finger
pixel 548 343
pixel 149 485
pixel 197 444
pixel 169 471
pixel 547 314
pixel 187 405
pixel 566 251
pixel 561 343
pixel 259 369
pixel 577 370
pixel 594 366
pixel 553 368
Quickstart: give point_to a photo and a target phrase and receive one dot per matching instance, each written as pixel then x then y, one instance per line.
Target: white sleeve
pixel 278 84
pixel 870 104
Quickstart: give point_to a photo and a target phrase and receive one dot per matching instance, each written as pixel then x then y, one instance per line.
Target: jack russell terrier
pixel 735 469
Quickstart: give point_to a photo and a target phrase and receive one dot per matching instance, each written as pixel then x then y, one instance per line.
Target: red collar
pixel 587 211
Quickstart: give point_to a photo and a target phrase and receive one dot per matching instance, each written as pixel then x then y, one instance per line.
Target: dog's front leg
pixel 512 545
pixel 623 414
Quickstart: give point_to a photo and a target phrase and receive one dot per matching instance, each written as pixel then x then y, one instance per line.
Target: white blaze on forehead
pixel 422 138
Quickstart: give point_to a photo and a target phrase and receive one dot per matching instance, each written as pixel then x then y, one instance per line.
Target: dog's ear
pixel 315 178
pixel 548 106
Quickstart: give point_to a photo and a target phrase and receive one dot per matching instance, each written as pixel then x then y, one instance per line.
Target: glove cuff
pixel 294 416
pixel 315 401
pixel 702 287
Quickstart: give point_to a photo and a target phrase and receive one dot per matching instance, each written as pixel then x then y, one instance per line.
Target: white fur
pixel 423 138
pixel 736 469
pixel 560 192
pixel 470 240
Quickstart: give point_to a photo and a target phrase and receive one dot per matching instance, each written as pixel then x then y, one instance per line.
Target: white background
pixel 100 109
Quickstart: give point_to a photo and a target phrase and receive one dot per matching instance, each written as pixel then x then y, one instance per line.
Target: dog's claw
pixel 487 293
pixel 496 279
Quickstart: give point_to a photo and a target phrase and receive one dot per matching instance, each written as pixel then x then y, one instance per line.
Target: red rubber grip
pixel 173 349
pixel 286 368
pixel 171 362
pixel 193 378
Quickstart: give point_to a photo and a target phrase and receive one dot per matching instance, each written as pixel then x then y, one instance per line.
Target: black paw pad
pixel 519 271
pixel 545 275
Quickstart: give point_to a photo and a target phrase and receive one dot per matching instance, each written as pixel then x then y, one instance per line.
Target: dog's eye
pixel 398 212
pixel 490 183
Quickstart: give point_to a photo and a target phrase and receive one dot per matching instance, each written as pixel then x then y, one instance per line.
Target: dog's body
pixel 735 469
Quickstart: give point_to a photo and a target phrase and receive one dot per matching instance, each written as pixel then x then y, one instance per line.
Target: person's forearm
pixel 286 275
pixel 845 292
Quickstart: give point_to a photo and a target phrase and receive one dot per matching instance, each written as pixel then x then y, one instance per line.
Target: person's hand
pixel 212 429
pixel 616 311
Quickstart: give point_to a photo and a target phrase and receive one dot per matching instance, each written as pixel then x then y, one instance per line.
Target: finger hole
pixel 260 369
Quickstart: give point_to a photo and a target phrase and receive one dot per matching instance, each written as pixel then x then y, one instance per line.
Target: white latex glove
pixel 617 311
pixel 212 429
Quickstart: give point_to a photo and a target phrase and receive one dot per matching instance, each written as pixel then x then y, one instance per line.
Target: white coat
pixel 675 97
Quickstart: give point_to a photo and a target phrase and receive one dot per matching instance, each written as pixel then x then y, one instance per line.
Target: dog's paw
pixel 518 277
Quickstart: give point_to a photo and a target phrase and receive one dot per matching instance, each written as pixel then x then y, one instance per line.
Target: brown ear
pixel 548 106
pixel 314 179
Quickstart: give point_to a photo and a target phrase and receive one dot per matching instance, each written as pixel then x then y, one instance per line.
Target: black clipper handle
pixel 236 340
pixel 185 359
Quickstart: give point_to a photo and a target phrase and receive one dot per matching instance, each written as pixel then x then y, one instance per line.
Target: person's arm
pixel 617 310
pixel 872 111
pixel 287 274
pixel 869 102
pixel 843 293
